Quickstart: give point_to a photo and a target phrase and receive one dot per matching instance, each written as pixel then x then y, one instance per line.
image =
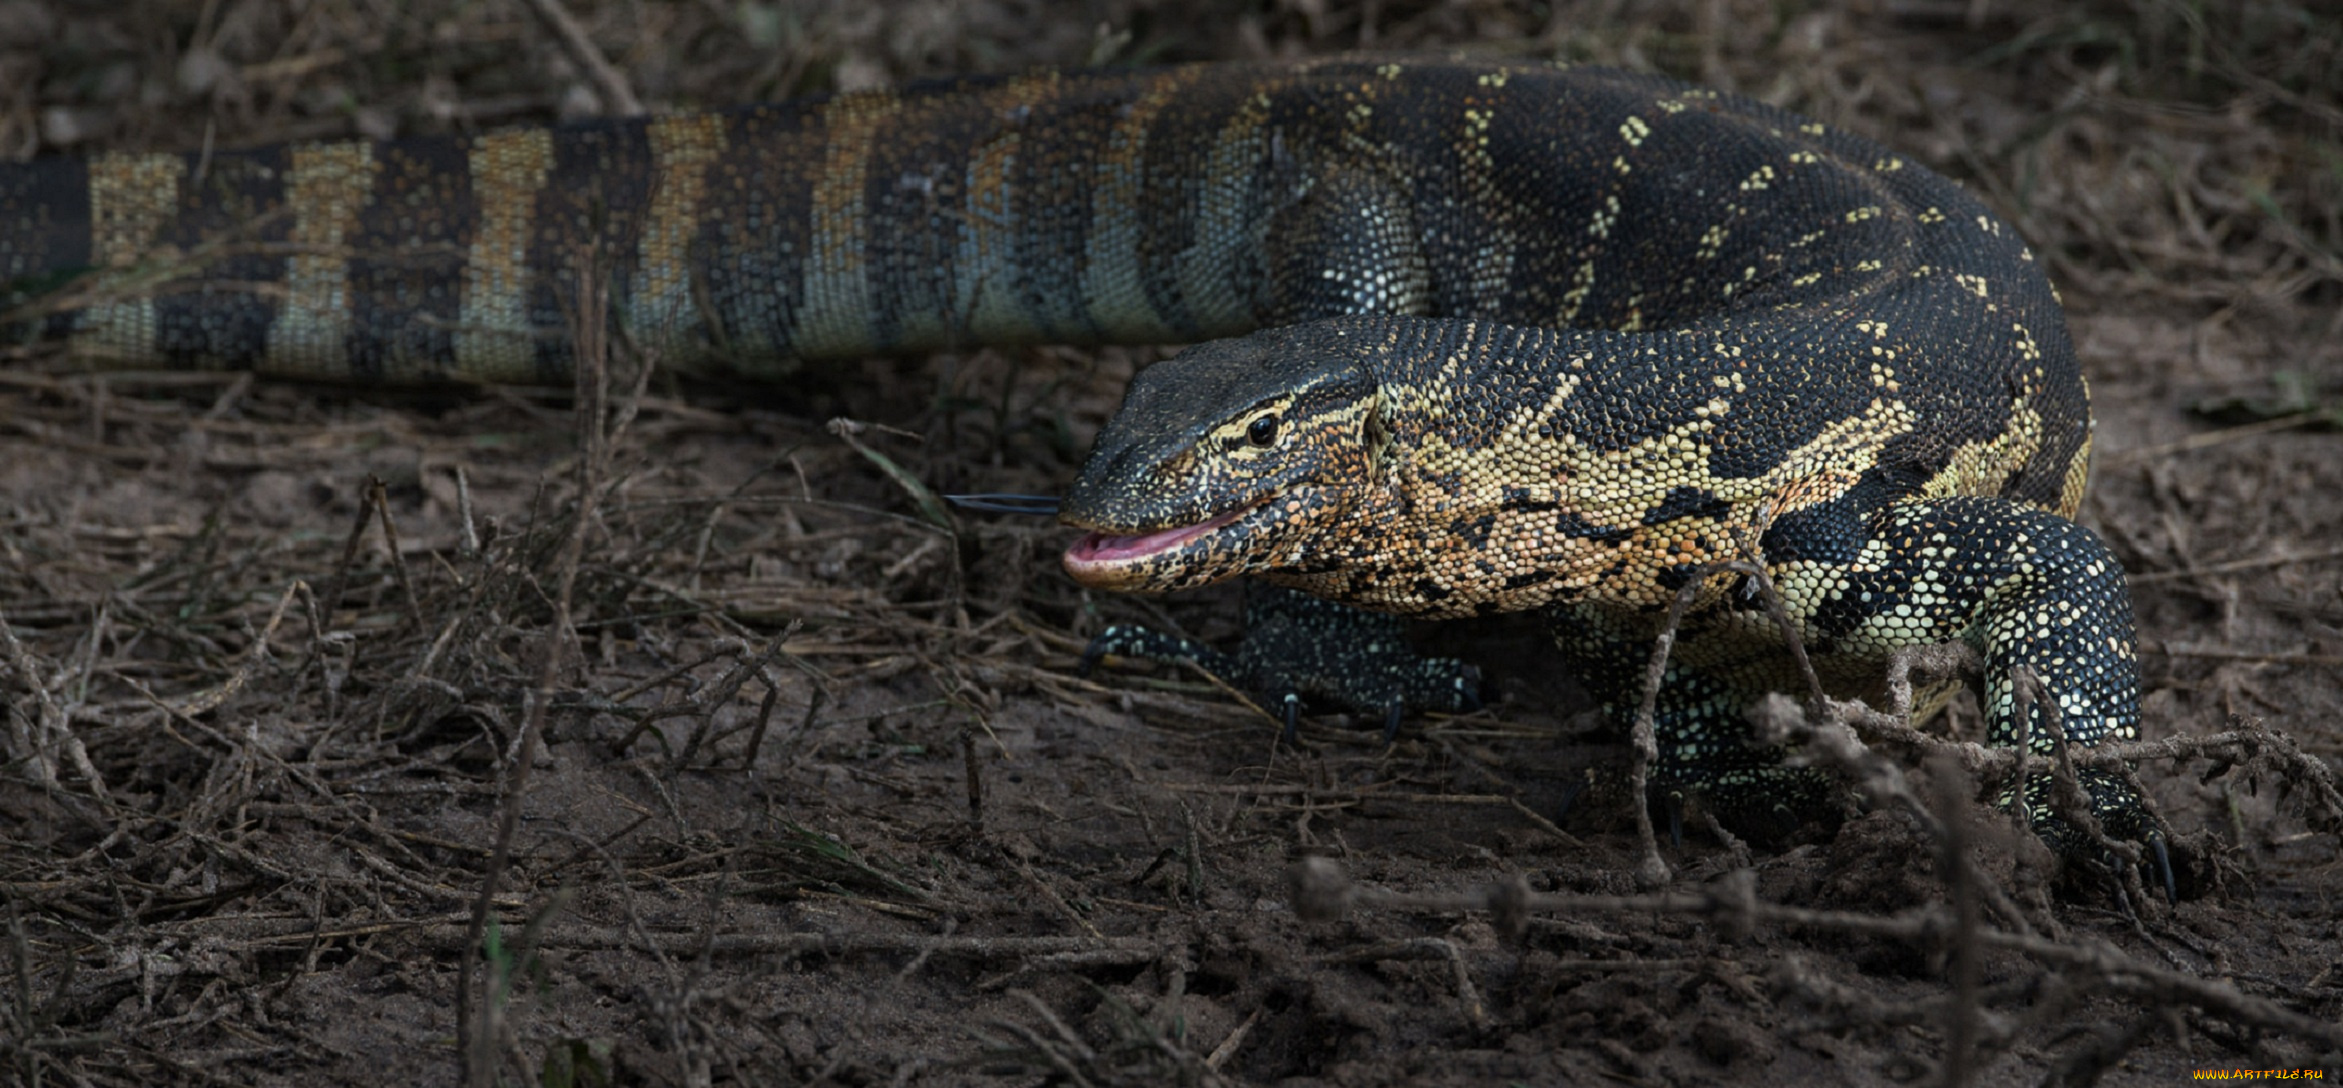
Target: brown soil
pixel 818 796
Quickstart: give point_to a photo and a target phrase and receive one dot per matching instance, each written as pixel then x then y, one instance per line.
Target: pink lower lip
pixel 1102 549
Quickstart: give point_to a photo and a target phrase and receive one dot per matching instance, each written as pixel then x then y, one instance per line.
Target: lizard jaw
pixel 1111 561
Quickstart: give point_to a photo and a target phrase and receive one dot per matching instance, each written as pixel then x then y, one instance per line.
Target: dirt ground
pixel 819 797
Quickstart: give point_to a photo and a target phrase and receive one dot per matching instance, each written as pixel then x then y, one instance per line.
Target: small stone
pixel 202 70
pixel 65 126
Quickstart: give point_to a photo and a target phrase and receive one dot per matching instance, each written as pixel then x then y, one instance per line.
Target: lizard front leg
pixel 1299 648
pixel 2026 588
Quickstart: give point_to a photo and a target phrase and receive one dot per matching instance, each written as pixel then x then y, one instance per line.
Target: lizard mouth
pixel 1112 561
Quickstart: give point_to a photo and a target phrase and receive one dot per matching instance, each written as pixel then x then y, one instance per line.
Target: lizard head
pixel 1231 457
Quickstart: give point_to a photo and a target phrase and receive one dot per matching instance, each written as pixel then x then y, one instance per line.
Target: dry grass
pixel 792 782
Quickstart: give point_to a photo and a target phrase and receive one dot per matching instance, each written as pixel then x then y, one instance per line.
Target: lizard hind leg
pixel 1705 751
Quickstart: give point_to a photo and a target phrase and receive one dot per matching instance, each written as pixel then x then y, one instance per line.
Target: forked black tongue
pixel 1004 502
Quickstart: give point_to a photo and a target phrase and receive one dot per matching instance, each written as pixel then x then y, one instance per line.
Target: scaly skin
pixel 1445 468
pixel 1753 325
pixel 1138 207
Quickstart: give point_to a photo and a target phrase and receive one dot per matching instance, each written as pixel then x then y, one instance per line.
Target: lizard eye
pixel 1263 431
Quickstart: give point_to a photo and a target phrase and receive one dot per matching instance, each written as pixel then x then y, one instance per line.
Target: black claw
pixel 1091 655
pixel 2164 868
pixel 1391 718
pixel 1293 718
pixel 1468 690
pixel 1674 803
pixel 1783 823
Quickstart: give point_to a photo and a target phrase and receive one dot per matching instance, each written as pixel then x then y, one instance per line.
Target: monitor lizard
pixel 1545 338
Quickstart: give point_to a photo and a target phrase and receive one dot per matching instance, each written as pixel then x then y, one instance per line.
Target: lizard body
pixel 1181 204
pixel 1630 325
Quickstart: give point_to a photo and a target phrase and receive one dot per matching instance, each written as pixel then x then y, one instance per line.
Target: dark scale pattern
pixel 762 240
pixel 597 187
pixel 1420 467
pixel 405 287
pixel 2023 586
pixel 229 211
pixel 1653 321
pixel 46 205
pixel 1299 648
